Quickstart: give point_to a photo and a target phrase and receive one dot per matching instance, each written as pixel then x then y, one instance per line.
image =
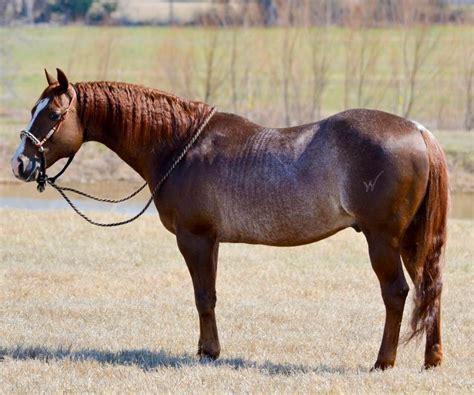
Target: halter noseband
pixel 36 142
pixel 42 176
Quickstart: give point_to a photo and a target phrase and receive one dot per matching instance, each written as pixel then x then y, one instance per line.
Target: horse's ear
pixel 51 80
pixel 63 82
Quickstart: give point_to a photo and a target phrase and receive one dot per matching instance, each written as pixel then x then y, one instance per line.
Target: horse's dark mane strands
pixel 160 115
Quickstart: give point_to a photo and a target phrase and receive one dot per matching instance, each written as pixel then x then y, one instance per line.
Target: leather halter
pixel 42 178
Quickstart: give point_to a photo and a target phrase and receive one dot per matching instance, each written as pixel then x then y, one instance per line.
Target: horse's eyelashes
pixel 54 116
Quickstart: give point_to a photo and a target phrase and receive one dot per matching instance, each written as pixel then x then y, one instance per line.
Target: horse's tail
pixel 426 237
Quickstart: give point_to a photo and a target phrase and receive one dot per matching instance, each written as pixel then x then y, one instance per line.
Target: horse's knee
pixel 205 302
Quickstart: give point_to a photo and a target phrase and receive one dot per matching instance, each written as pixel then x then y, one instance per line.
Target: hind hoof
pixel 433 357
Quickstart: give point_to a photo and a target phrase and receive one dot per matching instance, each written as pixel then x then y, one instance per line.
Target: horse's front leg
pixel 200 253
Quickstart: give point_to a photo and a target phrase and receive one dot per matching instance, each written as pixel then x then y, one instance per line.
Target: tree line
pixel 243 12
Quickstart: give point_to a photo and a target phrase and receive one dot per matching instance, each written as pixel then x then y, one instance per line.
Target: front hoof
pixel 382 366
pixel 210 354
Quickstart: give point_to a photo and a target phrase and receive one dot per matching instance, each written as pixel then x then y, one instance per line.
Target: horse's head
pixel 54 131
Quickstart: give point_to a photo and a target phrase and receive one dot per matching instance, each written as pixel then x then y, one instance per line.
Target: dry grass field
pixel 90 310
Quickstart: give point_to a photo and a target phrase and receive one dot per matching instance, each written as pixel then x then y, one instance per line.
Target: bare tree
pixel 7 70
pixel 72 53
pixel 418 41
pixel 468 82
pixel 362 53
pixel 233 70
pixel 269 10
pixel 106 42
pixel 368 56
pixel 177 68
pixel 349 67
pixel 319 68
pixel 214 70
pixel 290 36
pixel 288 58
pixel 394 83
pixel 171 12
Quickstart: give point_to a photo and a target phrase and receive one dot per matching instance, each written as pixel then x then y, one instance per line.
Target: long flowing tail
pixel 428 233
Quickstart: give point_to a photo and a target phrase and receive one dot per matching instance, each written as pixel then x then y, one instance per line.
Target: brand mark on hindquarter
pixel 370 186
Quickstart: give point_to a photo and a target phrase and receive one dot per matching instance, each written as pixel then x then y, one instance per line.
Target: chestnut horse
pixel 243 183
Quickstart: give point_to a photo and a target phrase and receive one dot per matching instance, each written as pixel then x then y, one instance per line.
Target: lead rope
pixel 51 181
pixel 98 199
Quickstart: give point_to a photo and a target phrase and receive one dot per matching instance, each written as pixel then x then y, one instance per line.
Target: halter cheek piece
pixel 42 178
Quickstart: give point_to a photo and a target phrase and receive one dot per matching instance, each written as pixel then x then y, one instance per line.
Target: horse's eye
pixel 54 116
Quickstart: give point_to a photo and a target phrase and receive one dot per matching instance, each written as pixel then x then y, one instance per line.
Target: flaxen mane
pixel 139 114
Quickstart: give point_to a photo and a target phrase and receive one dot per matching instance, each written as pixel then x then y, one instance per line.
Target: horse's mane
pixel 137 114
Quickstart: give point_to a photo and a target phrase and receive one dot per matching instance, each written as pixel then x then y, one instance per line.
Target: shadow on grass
pixel 148 360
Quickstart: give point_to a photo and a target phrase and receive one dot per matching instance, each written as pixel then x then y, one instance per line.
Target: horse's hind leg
pixel 386 262
pixel 200 253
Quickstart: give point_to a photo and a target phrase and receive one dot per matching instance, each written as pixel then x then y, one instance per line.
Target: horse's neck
pixel 142 126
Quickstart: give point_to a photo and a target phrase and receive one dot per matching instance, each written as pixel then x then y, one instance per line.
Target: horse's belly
pixel 282 222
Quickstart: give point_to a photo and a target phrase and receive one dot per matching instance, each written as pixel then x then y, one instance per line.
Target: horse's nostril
pixel 21 167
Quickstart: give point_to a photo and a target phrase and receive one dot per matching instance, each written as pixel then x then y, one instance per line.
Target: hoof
pixel 208 354
pixel 382 366
pixel 433 357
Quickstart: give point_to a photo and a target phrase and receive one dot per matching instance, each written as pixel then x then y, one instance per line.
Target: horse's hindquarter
pixel 385 168
pixel 256 185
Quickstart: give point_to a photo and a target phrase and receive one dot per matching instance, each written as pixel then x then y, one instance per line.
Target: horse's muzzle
pixel 25 169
